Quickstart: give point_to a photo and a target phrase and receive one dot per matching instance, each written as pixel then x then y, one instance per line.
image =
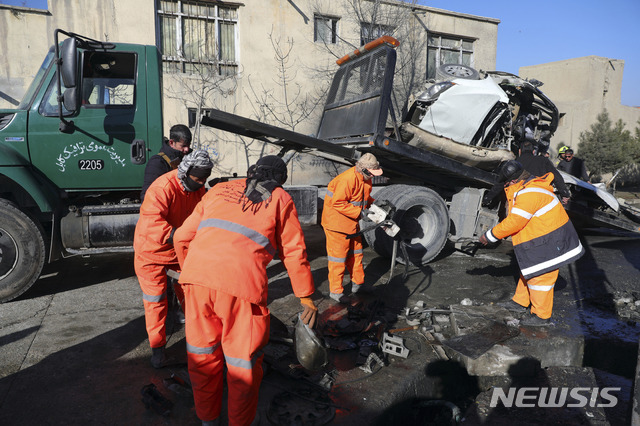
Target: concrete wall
pixel 26 34
pixel 582 88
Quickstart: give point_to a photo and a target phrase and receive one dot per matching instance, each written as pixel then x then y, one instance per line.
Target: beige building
pixel 266 59
pixel 582 88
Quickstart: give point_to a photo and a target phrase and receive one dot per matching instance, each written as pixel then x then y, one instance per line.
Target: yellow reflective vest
pixel 543 236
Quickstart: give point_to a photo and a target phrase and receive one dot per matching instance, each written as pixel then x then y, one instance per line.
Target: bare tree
pixel 366 20
pixel 287 104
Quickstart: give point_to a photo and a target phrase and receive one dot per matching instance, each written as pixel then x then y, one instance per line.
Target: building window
pixel 198 36
pixel 448 50
pixel 193 118
pixel 325 29
pixel 370 32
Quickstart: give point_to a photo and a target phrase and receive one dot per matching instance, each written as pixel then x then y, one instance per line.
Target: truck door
pixel 111 115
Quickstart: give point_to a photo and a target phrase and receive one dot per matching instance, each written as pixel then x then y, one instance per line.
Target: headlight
pixel 434 91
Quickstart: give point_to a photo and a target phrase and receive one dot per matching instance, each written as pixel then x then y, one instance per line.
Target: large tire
pixel 22 251
pixel 423 219
pixel 451 71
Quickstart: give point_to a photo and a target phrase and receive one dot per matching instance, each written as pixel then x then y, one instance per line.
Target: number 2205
pixel 91 164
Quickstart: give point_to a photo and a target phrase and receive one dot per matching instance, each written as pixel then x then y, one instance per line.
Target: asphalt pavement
pixel 74 351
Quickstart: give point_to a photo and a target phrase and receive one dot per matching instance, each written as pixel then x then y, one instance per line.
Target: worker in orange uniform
pixel 224 248
pixel 348 194
pixel 543 240
pixel 168 201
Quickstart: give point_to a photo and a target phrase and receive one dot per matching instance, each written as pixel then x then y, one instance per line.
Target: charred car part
pixel 481 120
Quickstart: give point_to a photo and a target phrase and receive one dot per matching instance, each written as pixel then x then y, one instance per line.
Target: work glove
pixel 310 312
pixel 382 203
pixel 376 214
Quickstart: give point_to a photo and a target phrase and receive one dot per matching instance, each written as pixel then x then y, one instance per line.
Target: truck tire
pixel 451 71
pixel 22 251
pixel 423 219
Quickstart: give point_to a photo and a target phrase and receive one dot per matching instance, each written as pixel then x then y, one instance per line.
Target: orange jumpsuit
pixel 347 195
pixel 543 240
pixel 224 248
pixel 166 205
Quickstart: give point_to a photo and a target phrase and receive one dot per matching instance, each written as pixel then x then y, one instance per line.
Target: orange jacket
pixel 166 205
pixel 543 236
pixel 347 195
pixel 227 244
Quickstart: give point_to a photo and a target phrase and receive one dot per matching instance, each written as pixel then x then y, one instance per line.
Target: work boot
pixel 159 358
pixel 512 306
pixel 359 288
pixel 535 321
pixel 340 297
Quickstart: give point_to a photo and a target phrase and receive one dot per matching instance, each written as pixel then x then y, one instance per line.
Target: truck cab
pixel 72 165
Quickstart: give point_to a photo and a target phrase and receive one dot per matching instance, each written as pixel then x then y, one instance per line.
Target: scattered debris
pixel 394 346
pixel 301 407
pixel 177 385
pixel 435 342
pixel 372 360
pixel 152 398
pixel 627 306
pixel 397 330
pixel 420 313
pixel 478 342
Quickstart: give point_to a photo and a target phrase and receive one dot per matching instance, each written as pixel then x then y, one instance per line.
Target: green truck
pixel 71 166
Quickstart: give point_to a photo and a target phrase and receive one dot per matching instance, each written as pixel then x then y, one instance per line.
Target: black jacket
pixel 538 165
pixel 575 167
pixel 158 165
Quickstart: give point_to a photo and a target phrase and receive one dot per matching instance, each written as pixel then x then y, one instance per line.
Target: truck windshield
pixel 35 84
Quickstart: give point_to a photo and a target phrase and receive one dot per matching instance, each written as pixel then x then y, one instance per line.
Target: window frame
pixel 334 28
pixel 439 48
pixel 178 60
pixel 380 29
pixel 191 115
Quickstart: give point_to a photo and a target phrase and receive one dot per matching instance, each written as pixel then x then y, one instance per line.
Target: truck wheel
pixel 451 71
pixel 22 251
pixel 423 219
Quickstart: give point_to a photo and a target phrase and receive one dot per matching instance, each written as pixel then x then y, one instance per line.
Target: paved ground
pixel 73 349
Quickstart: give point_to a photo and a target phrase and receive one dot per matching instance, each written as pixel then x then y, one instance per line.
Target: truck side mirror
pixel 69 56
pixel 70 99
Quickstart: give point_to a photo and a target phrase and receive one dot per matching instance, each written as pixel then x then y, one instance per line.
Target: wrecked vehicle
pixel 480 118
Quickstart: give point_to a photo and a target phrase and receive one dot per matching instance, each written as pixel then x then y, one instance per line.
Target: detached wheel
pixel 22 251
pixel 451 71
pixel 423 219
